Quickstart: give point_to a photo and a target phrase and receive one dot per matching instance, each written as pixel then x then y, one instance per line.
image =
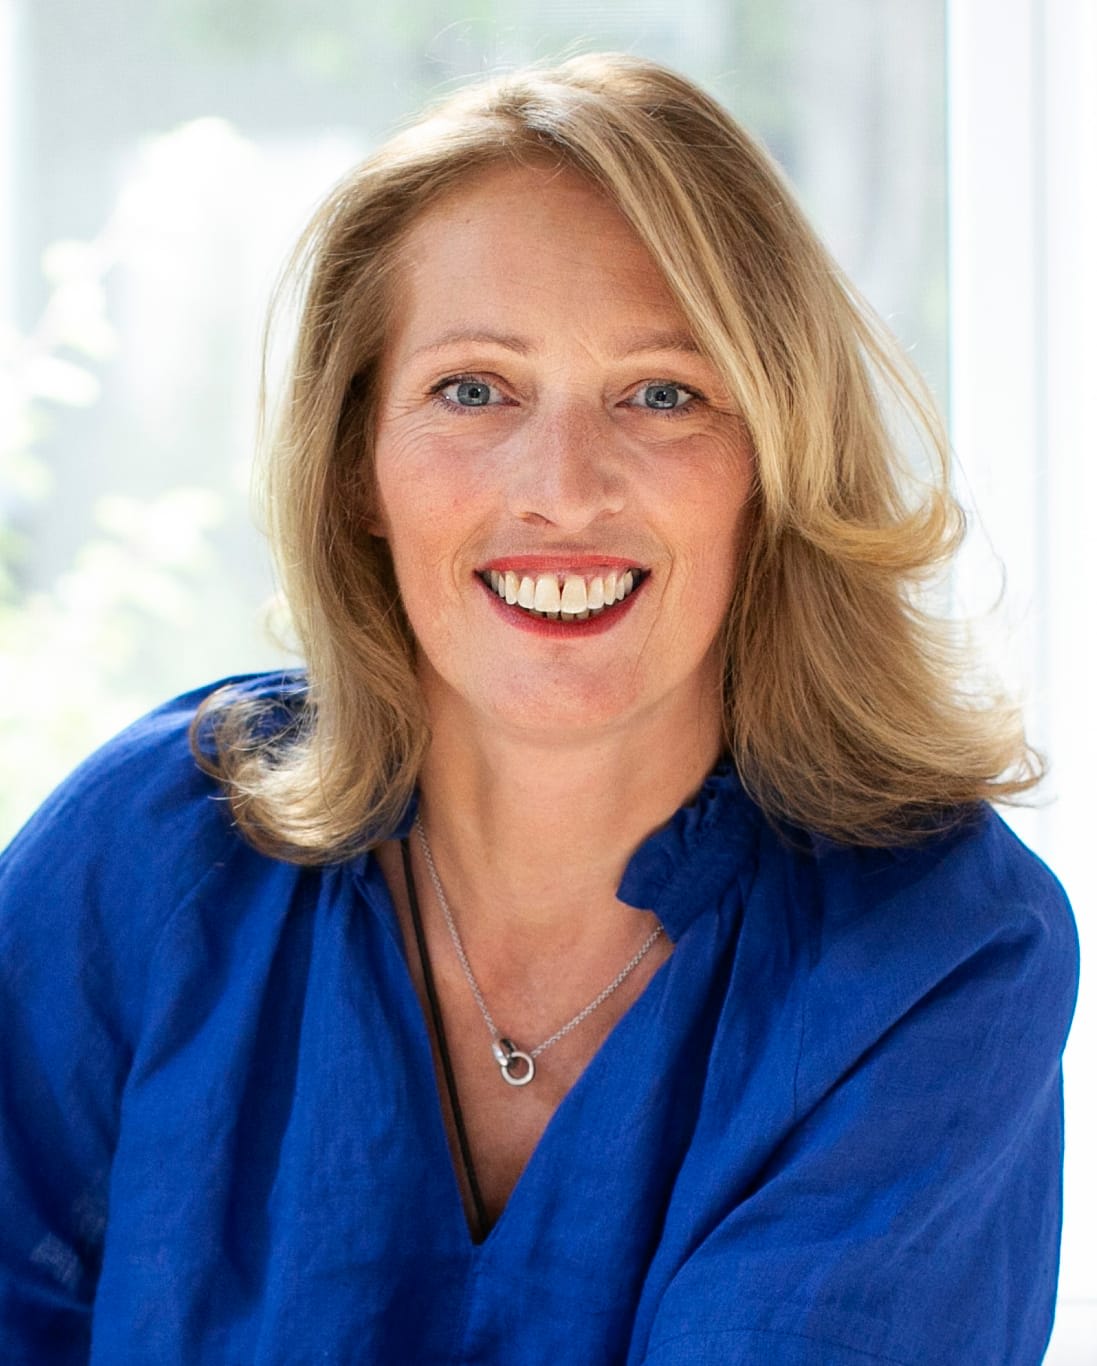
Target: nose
pixel 567 470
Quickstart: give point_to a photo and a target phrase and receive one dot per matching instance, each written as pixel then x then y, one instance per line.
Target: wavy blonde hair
pixel 847 708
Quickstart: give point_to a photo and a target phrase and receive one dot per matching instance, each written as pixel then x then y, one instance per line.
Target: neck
pixel 531 834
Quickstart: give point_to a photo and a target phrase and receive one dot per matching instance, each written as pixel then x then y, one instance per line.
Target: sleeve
pixel 912 1214
pixel 84 891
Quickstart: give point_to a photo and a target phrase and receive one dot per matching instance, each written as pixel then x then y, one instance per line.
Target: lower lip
pixel 563 630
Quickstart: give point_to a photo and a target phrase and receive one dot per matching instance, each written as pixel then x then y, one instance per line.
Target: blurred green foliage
pixel 69 648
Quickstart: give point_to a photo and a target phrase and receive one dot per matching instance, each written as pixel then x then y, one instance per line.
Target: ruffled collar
pixel 685 866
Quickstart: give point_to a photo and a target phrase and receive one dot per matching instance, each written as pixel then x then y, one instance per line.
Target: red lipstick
pixel 557 564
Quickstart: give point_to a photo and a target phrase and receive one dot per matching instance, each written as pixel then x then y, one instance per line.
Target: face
pixel 559 474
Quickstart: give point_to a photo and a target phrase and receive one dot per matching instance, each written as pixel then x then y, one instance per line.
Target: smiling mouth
pixel 563 597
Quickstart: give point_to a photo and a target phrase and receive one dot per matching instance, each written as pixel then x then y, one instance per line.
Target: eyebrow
pixel 634 343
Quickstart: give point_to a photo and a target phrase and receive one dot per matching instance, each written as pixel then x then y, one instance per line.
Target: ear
pixel 376 526
pixel 373 514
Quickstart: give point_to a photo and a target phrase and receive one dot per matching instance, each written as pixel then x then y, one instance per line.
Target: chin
pixel 556 714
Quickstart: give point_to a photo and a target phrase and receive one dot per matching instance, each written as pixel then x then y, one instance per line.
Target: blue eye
pixel 470 392
pixel 665 396
pixel 466 393
pixel 473 394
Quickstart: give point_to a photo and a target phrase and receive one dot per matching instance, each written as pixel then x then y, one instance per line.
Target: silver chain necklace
pixel 517 1067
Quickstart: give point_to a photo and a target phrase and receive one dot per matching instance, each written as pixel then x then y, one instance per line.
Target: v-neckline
pixel 438 1101
pixel 571 1099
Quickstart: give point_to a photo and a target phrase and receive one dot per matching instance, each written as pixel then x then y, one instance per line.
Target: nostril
pixel 566 489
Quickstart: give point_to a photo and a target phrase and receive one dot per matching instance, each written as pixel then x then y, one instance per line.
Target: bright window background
pixel 157 161
pixel 1022 132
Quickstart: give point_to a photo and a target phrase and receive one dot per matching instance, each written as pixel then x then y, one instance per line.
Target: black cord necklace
pixel 443 1048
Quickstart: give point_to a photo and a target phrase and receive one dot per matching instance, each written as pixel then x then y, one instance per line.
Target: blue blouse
pixel 829 1131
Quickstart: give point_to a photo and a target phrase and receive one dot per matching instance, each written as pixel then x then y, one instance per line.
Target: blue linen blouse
pixel 829 1130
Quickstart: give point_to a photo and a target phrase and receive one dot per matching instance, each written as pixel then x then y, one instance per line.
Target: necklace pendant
pixel 510 1058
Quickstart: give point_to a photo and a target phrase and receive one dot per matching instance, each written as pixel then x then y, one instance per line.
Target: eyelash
pixel 683 410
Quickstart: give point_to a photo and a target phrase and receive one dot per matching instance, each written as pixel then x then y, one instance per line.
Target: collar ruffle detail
pixel 686 866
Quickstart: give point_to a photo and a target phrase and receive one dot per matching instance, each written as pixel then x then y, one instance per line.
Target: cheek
pixel 710 503
pixel 727 510
pixel 439 519
pixel 713 528
pixel 421 477
pixel 429 513
pixel 410 491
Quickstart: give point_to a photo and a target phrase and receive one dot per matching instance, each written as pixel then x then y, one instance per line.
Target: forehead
pixel 524 249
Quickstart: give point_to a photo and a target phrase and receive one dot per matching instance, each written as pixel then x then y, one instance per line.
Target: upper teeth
pixel 566 596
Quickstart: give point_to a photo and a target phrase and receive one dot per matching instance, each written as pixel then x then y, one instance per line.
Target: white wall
pixel 1023 289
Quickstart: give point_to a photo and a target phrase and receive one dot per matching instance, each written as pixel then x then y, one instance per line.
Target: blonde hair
pixel 846 711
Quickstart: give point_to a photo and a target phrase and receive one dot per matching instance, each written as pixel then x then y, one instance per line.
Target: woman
pixel 605 951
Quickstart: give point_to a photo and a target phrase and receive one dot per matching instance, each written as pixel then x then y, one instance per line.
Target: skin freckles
pixel 538 431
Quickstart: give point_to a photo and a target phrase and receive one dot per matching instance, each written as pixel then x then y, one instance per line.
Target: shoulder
pixel 122 843
pixel 146 781
pixel 968 926
pixel 956 890
pixel 904 1201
